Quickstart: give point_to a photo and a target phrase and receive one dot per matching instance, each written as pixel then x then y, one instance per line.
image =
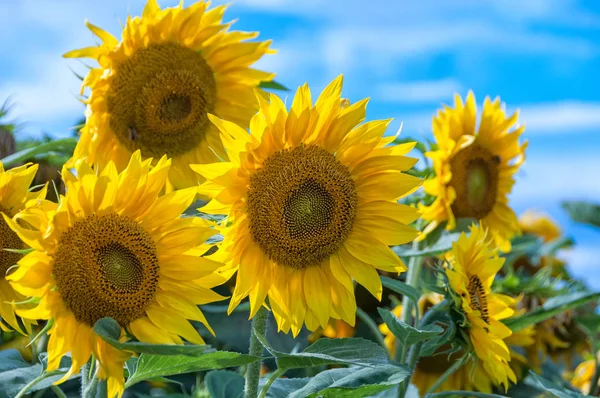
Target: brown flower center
pixel 8 240
pixel 106 266
pixel 301 206
pixel 159 99
pixel 478 297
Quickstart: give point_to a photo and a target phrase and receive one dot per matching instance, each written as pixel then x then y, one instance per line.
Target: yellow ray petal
pixel 316 294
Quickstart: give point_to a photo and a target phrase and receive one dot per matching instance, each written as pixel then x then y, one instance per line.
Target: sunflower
pixel 153 90
pixel 473 266
pixel 474 169
pixel 470 377
pixel 544 227
pixel 14 195
pixel 539 224
pixel 560 339
pixel 311 198
pixel 114 247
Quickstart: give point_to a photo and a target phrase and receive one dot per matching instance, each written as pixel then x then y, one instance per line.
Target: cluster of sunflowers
pixel 192 183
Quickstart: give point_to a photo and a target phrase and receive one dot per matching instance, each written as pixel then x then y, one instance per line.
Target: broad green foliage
pixel 348 382
pixel 407 335
pixel 150 366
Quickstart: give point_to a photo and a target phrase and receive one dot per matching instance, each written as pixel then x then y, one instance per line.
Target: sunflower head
pixel 539 224
pixel 474 168
pixel 14 196
pixel 153 90
pixel 311 198
pixel 473 266
pixel 544 227
pixel 114 247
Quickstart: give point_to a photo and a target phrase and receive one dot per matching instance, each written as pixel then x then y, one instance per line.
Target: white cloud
pixel 421 91
pixel 564 117
pixel 47 97
pixel 553 177
pixel 378 46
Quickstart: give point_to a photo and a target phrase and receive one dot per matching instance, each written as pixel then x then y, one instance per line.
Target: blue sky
pixel 541 56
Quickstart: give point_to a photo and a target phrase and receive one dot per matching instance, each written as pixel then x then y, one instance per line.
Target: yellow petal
pixel 173 323
pixel 362 272
pixel 168 207
pixel 373 252
pixel 316 294
pixel 106 37
pixel 186 267
pixel 388 185
pixel 148 332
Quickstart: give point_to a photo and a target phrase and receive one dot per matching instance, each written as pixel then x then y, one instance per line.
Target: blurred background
pixel 540 56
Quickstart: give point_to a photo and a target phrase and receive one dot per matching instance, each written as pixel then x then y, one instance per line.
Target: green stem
pixel 259 327
pixel 412 279
pixel 102 391
pixel 372 325
pixel 415 350
pixel 272 378
pixel 91 387
pixel 34 352
pixel 449 372
pixel 58 392
pixel 85 377
pixel 37 380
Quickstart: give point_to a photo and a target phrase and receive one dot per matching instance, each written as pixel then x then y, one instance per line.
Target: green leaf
pixel 224 384
pixel 16 373
pixel 273 85
pixel 150 366
pixel 401 288
pixel 550 248
pixel 283 387
pixel 551 307
pixel 407 335
pixel 552 388
pixel 66 145
pixel 430 347
pixel 348 382
pixel 355 351
pixel 11 359
pixel 584 212
pixel 441 245
pixel 110 331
